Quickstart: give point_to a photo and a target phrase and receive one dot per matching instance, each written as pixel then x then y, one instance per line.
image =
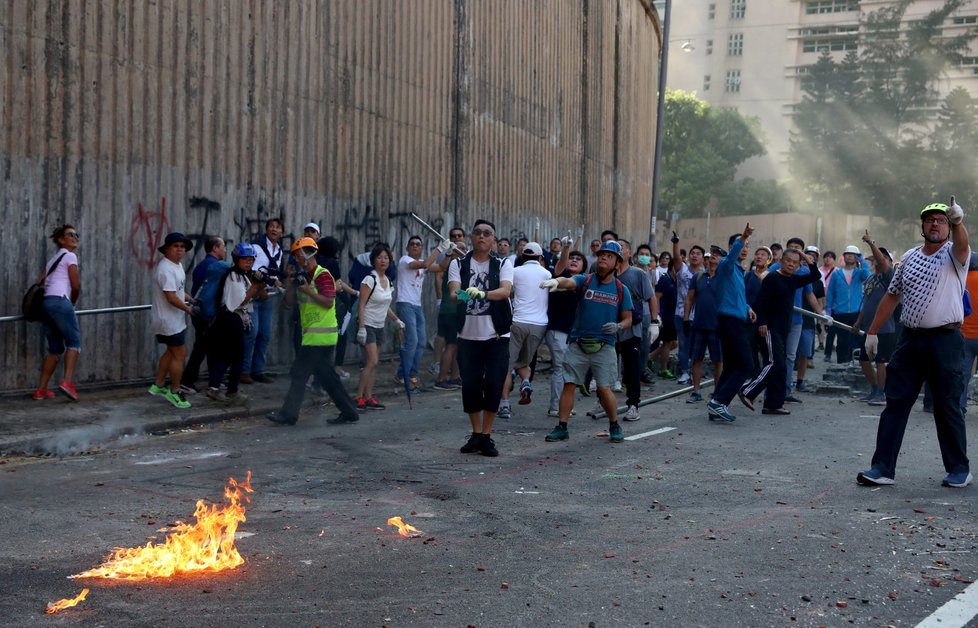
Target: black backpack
pixel 500 311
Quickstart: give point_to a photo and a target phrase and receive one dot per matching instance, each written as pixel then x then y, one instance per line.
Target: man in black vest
pixel 481 284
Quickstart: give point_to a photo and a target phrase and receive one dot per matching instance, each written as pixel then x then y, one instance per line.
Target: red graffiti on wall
pixel 146 232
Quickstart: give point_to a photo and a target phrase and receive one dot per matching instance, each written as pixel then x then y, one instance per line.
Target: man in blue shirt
pixel 844 299
pixel 216 251
pixel 604 309
pixel 733 314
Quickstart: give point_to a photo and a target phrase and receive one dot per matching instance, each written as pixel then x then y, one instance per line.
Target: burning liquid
pixel 54 607
pixel 206 546
pixel 404 529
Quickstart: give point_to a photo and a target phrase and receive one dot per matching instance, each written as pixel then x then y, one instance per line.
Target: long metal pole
pixel 601 414
pixel 104 310
pixel 660 110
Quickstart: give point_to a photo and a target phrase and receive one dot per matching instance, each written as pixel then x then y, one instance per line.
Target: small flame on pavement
pixel 205 546
pixel 404 529
pixel 54 607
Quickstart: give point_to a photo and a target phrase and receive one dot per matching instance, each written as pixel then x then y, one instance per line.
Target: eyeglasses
pixel 483 233
pixel 72 234
pixel 935 221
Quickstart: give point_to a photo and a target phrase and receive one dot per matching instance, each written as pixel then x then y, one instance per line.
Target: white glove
pixel 872 345
pixel 955 214
pixel 653 332
pixel 828 320
pixel 566 241
pixel 475 293
pixel 609 328
pixel 400 324
pixel 361 336
pixel 444 246
pixel 550 284
pixel 437 303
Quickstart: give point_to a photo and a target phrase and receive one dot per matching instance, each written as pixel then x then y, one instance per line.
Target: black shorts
pixel 667 331
pixel 448 327
pixel 176 340
pixel 885 350
pixel 702 339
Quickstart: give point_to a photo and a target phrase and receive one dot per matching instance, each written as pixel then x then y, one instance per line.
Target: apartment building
pixel 751 55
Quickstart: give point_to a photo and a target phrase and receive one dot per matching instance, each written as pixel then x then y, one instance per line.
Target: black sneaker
pixel 341 419
pixel 792 399
pixel 487 447
pixel 473 445
pixel 275 417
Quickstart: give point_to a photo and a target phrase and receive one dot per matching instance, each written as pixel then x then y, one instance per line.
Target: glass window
pixel 709 47
pixel 706 83
pixel 737 9
pixel 815 7
pixel 711 12
pixel 735 44
pixel 732 84
pixel 971 19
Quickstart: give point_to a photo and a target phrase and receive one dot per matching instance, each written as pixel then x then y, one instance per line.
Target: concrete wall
pixel 132 118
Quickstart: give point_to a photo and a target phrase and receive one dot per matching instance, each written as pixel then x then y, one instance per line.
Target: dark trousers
pixel 318 361
pixel 845 343
pixel 737 363
pixel 631 366
pixel 772 377
pixel 758 349
pixel 934 357
pixel 483 365
pixel 225 350
pixel 191 372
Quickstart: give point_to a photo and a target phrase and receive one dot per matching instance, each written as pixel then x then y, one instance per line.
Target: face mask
pixel 644 260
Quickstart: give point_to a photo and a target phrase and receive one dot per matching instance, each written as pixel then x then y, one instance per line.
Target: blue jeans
pixel 61 325
pixel 970 353
pixel 791 353
pixel 258 337
pixel 557 343
pixel 414 336
pixel 683 346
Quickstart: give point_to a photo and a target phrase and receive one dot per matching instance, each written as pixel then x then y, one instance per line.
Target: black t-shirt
pixel 562 309
pixel 777 297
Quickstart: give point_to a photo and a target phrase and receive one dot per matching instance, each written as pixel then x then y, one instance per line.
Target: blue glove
pixel 462 296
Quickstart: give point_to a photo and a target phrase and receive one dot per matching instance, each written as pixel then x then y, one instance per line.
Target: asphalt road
pixel 759 523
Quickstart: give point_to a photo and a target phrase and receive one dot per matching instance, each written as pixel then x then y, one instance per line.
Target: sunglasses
pixel 483 233
pixel 72 234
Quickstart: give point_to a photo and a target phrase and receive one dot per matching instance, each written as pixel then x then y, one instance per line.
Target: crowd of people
pixel 611 319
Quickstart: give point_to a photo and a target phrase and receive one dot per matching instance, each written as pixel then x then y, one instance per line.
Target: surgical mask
pixel 644 260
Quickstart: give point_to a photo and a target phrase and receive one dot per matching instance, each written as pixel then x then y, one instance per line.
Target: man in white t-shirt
pixel 481 284
pixel 169 317
pixel 529 323
pixel 929 282
pixel 411 269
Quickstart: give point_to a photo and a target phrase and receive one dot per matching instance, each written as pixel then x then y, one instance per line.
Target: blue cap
pixel 612 247
pixel 243 249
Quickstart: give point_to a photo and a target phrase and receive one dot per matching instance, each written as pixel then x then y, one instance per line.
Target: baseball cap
pixel 532 248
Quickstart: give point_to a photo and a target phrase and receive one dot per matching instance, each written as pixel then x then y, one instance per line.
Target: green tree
pixel 701 149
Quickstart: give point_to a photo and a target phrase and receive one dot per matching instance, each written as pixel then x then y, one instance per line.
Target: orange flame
pixel 206 546
pixel 54 607
pixel 404 529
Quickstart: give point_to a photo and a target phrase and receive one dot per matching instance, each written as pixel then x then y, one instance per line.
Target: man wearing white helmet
pixel 844 298
pixel 930 282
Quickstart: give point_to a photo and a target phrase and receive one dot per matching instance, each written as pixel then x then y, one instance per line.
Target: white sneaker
pixel 593 387
pixel 683 379
pixel 617 386
pixel 556 413
pixel 631 414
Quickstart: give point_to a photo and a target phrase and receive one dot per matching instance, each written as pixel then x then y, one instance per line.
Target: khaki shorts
pixel 603 365
pixel 524 339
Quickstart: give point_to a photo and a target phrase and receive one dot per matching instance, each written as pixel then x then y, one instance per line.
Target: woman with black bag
pixel 62 287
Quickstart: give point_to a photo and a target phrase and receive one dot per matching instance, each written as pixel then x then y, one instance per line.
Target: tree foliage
pixel 701 149
pixel 870 132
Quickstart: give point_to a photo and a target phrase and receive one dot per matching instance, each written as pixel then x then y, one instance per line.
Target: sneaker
pixel 593 412
pixel 873 477
pixel 878 400
pixel 867 397
pixel 593 387
pixel 556 413
pixel 158 390
pixel 615 434
pixel 504 413
pixel 559 433
pixel 792 399
pixel 957 480
pixel 802 387
pixel 263 378
pixel 584 390
pixel 526 389
pixel 237 398
pixel 342 373
pixel 744 399
pixel 487 447
pixel 215 394
pixel 361 404
pixel 247 379
pixel 457 382
pixel 684 379
pixel 373 404
pixel 188 390
pixel 473 445
pixel 616 386
pixel 666 374
pixel 69 390
pixel 444 385
pixel 177 400
pixel 694 398
pixel 341 419
pixel 719 412
pixel 646 378
pixel 631 414
pixel 43 393
pixel 434 368
pixel 276 417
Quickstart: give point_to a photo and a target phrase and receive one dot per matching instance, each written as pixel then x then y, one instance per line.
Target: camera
pixel 267 276
pixel 300 277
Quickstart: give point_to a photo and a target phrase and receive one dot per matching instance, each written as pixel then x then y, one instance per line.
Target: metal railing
pixel 104 310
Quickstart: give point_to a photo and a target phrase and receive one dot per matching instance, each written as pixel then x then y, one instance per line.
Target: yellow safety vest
pixel 319 328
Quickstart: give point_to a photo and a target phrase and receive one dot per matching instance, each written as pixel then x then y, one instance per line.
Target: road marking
pixel 652 433
pixel 957 611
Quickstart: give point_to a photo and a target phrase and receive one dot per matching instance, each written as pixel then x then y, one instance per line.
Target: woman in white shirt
pixel 374 307
pixel 227 333
pixel 62 287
